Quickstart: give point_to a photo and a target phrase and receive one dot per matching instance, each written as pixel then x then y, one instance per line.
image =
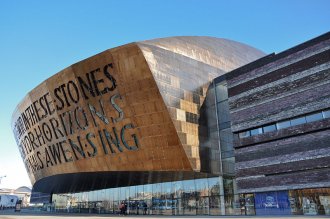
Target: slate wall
pixel 277 87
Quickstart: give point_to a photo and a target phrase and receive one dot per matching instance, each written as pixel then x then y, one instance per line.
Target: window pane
pixel 284 124
pixel 314 117
pixel 224 125
pixel 270 128
pixel 221 90
pixel 228 165
pixel 223 112
pixel 202 187
pixel 214 202
pixel 214 186
pixel 298 121
pixel 202 205
pixel 226 154
pixel 226 140
pixel 244 134
pixel 256 131
pixel 177 188
pixel 326 114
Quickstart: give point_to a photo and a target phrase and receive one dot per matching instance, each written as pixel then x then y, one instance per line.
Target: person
pixel 145 207
pixel 122 208
pixel 125 208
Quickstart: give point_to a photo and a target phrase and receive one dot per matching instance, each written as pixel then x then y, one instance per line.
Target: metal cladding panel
pixel 183 68
pixel 111 117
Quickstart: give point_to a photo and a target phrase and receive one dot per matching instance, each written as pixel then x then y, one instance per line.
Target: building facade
pixel 168 126
pixel 280 110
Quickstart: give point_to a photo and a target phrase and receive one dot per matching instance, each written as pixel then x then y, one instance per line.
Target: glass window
pixel 215 203
pixel 189 197
pixel 123 193
pixel 177 189
pixel 167 190
pixel 248 204
pixel 214 186
pixel 202 205
pixel 202 187
pixel 244 134
pixel 189 186
pixel 326 114
pixel 132 192
pixel 147 191
pixel 221 90
pixel 226 140
pixel 298 121
pixel 139 192
pixel 223 112
pixel 256 131
pixel 156 190
pixel 226 154
pixel 314 117
pixel 224 125
pixel 102 195
pixel 284 124
pixel 114 193
pixel 93 195
pixel 228 165
pixel 269 128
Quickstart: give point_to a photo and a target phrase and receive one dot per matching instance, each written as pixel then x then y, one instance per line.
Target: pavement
pixel 29 214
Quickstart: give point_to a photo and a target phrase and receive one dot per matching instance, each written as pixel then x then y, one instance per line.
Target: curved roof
pixel 23 189
pixel 217 52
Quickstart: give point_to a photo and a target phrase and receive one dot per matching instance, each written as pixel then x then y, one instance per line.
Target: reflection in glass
pixel 202 205
pixel 223 112
pixel 256 131
pixel 298 121
pixel 214 186
pixel 215 205
pixel 221 92
pixel 269 128
pixel 314 117
pixel 244 134
pixel 202 187
pixel 189 197
pixel 282 125
pixel 326 114
pixel 166 198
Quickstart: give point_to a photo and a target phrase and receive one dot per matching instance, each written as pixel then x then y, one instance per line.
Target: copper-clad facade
pixel 129 115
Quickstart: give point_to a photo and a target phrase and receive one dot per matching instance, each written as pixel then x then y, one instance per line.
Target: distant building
pixel 183 126
pixel 12 195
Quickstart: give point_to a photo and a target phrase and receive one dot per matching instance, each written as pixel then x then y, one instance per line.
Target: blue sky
pixel 39 38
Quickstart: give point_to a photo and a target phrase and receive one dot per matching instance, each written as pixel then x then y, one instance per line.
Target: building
pixel 280 110
pixel 157 125
pixel 8 197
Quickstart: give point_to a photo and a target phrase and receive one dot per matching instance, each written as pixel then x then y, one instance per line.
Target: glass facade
pixel 225 134
pixel 188 197
pixel 206 196
pixel 310 201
